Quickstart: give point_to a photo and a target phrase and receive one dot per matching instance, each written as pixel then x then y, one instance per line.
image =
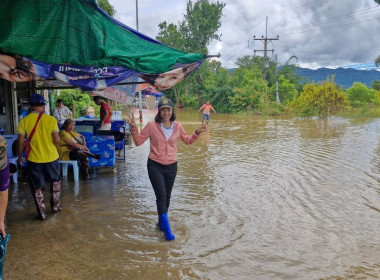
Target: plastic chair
pixel 10 138
pixel 74 163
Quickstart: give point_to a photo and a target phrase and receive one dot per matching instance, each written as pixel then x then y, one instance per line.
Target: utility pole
pixel 140 99
pixel 265 50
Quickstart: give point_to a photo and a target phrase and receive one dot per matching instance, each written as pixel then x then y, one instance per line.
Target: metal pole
pixel 137 15
pixel 14 109
pixel 52 102
pixel 265 50
pixel 140 99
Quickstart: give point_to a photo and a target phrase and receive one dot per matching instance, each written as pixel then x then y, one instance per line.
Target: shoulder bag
pixel 27 143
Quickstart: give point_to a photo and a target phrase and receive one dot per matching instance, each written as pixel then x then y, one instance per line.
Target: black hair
pixel 97 98
pixel 59 100
pixel 66 123
pixel 150 78
pixel 158 118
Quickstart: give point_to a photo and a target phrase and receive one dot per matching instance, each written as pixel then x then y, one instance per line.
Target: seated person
pixel 82 114
pixel 73 147
pixel 90 113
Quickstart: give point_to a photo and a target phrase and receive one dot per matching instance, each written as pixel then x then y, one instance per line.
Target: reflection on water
pixel 255 198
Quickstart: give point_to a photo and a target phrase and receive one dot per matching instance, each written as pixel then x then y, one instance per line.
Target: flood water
pixel 254 198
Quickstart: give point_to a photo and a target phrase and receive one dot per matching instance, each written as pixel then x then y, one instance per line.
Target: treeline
pixel 246 89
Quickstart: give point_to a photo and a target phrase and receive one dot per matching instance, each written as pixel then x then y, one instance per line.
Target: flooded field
pixel 254 198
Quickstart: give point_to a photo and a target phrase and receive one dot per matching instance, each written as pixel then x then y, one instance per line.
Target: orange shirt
pixel 206 108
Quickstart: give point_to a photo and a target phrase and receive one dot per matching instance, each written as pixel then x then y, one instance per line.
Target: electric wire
pixel 326 21
pixel 328 27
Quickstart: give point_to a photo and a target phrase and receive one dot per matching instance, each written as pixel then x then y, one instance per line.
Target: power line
pixel 328 27
pixel 334 19
pixel 237 50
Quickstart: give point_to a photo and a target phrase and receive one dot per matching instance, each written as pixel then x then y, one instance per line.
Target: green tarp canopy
pixel 78 32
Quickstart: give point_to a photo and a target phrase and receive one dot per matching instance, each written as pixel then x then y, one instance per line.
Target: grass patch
pixel 367 112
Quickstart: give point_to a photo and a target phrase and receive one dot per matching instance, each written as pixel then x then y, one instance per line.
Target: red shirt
pixel 103 112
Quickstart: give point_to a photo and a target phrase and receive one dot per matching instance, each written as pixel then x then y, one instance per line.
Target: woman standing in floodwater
pixel 164 133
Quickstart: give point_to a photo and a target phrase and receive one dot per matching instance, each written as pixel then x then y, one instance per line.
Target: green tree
pixel 107 7
pixel 360 95
pixel 201 24
pixel 217 87
pixel 376 85
pixel 198 28
pixel 289 71
pixel 248 90
pixel 170 35
pixel 77 101
pixel 248 61
pixel 320 100
pixel 287 90
pixel 258 61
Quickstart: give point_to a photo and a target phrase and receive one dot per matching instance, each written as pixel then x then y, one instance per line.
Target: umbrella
pixel 152 91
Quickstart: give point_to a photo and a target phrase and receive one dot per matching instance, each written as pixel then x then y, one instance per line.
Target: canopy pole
pixel 140 99
pixel 213 55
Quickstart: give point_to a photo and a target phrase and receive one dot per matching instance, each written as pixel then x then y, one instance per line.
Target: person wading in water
pixel 164 133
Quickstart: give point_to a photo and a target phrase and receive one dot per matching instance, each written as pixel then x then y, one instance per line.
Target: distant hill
pixel 344 77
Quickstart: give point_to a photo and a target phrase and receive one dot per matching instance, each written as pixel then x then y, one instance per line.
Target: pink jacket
pixel 162 151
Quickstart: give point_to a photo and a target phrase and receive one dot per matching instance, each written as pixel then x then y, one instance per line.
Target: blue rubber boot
pixel 159 222
pixel 164 222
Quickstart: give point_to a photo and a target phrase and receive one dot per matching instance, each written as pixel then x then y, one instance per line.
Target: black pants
pixel 162 178
pixel 39 173
pixel 84 162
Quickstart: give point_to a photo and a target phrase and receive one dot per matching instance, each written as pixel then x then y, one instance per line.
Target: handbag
pixel 77 139
pixel 27 143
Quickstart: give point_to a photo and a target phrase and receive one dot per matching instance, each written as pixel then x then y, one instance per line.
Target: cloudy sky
pixel 321 33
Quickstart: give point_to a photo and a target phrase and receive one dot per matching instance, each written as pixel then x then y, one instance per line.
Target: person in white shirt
pixel 61 112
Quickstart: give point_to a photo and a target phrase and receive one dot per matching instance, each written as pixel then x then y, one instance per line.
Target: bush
pixel 320 100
